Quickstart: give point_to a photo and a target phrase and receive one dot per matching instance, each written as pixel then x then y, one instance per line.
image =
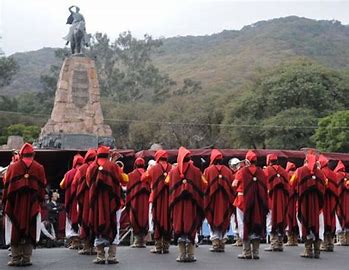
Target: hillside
pixel 222 61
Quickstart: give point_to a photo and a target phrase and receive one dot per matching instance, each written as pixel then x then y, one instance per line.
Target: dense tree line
pixel 299 103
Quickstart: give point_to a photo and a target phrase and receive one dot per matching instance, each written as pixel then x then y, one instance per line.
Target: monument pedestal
pixel 77 109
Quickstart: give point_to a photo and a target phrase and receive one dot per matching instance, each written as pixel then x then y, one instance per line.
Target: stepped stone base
pixel 77 109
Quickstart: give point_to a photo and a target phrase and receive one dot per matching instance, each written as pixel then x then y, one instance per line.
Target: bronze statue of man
pixel 77 35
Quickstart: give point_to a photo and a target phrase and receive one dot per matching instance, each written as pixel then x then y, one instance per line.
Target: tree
pixel 125 68
pixel 293 90
pixel 28 132
pixel 8 68
pixel 332 134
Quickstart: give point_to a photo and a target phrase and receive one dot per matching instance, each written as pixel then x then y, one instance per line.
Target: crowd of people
pixel 171 201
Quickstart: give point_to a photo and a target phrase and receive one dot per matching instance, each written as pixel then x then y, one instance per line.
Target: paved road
pixel 64 259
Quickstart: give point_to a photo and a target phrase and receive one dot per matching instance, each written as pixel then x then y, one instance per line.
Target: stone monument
pixel 77 116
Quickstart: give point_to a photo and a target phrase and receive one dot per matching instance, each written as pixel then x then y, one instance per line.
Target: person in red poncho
pixel 292 224
pixel 330 204
pixel 278 193
pixel 219 196
pixel 137 203
pixel 70 203
pixel 24 191
pixel 159 216
pixel 310 183
pixel 82 196
pixel 186 203
pixel 104 178
pixel 252 205
pixel 343 204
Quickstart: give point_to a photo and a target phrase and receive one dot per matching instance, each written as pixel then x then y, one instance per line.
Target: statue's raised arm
pixel 77 35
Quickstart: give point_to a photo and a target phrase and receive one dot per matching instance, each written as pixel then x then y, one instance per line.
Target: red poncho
pixel 137 202
pixel 278 191
pixel 311 191
pixel 159 199
pixel 24 190
pixel 186 200
pixel 343 195
pixel 292 202
pixel 104 198
pixel 255 200
pixel 330 200
pixel 219 197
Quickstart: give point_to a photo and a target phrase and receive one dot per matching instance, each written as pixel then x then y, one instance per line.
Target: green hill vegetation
pixel 267 85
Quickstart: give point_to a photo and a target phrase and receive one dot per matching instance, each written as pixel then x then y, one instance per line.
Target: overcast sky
pixel 32 24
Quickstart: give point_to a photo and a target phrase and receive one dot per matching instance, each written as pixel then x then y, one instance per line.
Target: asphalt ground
pixel 130 258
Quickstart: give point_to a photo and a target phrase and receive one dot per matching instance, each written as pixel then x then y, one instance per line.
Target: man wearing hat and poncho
pixel 278 193
pixel 82 196
pixel 137 203
pixel 71 204
pixel 104 179
pixel 311 185
pixel 219 196
pixel 252 206
pixel 158 202
pixel 24 192
pixel 186 203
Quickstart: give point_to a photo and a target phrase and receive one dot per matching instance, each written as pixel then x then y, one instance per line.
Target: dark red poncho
pixel 330 200
pixel 186 200
pixel 137 202
pixel 278 192
pixel 311 191
pixel 343 195
pixel 160 200
pixel 219 197
pixel 24 191
pixel 255 200
pixel 104 198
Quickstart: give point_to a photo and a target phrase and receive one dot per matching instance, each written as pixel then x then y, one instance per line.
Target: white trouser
pixel 150 218
pixel 69 231
pixel 269 222
pixel 214 235
pixel 321 228
pixel 8 229
pixel 240 220
pixel 233 225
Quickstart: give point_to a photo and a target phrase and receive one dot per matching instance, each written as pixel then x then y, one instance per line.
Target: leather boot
pixel 27 249
pixel 190 253
pixel 222 245
pixel 280 243
pixel 330 244
pixel 86 248
pixel 157 247
pixel 111 259
pixel 317 244
pixel 165 246
pixel 347 238
pixel 238 242
pixel 295 240
pixel 341 239
pixel 324 244
pixel 16 258
pixel 142 241
pixel 246 250
pixel 215 245
pixel 135 241
pixel 255 249
pixel 273 243
pixel 308 252
pixel 181 248
pixel 75 243
pixel 289 239
pixel 100 259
